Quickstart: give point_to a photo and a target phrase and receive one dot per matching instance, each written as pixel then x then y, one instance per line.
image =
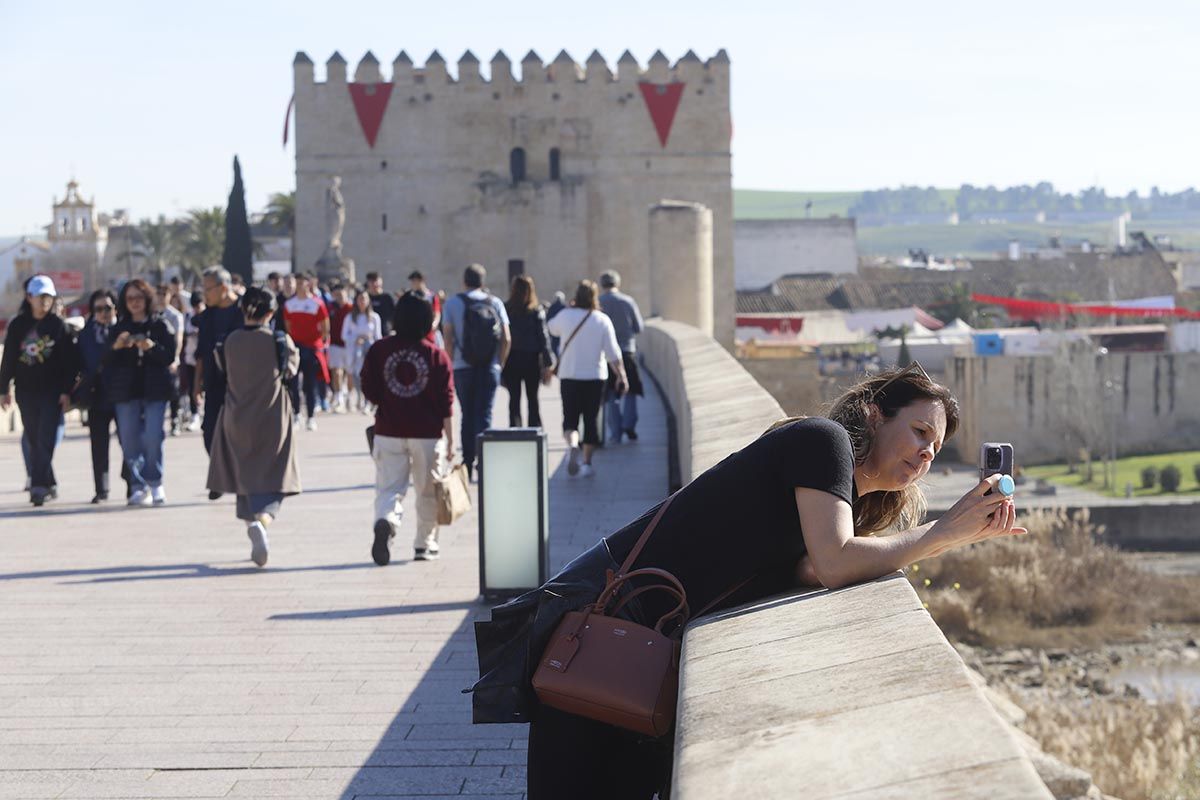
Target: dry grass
pixel 1055 587
pixel 1059 587
pixel 1133 749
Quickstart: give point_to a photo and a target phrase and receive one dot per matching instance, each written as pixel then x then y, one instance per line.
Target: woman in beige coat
pixel 254 451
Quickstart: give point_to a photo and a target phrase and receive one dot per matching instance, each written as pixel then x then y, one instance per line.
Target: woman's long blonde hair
pixel 890 390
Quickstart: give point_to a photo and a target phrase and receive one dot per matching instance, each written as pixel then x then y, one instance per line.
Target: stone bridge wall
pixel 814 694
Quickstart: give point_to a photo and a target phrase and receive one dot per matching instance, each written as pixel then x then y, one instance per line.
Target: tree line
pixel 971 200
pixel 197 240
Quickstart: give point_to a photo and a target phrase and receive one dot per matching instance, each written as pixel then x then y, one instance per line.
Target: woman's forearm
pixel 864 558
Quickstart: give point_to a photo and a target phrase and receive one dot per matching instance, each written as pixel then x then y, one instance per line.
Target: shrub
pixel 1058 581
pixel 1149 477
pixel 1196 472
pixel 1170 478
pixel 1132 748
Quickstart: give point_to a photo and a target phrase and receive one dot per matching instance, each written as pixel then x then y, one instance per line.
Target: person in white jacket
pixel 360 329
pixel 589 348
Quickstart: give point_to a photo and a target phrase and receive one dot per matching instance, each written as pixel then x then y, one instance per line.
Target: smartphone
pixel 995 458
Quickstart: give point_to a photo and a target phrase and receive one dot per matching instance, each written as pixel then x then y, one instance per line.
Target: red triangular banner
pixel 662 101
pixel 370 101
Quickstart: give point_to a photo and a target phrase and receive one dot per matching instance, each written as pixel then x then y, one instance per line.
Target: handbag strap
pixel 571 338
pixel 641 542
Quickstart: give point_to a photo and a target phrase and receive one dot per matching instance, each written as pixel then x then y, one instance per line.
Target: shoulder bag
pixel 570 339
pixel 612 670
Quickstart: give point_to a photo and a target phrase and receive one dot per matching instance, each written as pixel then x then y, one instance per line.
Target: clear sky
pixel 147 102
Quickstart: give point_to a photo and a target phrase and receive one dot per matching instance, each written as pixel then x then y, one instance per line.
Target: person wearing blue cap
pixel 40 359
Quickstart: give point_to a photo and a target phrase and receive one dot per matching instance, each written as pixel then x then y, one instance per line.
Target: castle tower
pixel 546 168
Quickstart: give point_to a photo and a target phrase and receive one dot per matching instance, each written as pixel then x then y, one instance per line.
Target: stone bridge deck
pixel 142 655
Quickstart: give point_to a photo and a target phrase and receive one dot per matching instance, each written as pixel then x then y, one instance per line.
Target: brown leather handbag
pixel 612 670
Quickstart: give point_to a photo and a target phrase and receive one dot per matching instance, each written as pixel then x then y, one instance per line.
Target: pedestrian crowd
pixel 249 365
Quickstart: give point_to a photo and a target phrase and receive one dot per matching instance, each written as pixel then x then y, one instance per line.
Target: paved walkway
pixel 143 656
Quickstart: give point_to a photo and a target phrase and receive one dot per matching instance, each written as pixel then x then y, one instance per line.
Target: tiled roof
pixel 825 292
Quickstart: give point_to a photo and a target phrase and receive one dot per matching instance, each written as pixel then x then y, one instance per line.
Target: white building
pixel 18 261
pixel 767 249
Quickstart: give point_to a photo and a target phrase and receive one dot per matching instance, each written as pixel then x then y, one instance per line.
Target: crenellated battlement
pixel 563 70
pixel 534 161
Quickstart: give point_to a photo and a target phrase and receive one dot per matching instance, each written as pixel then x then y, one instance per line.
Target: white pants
pixel 396 461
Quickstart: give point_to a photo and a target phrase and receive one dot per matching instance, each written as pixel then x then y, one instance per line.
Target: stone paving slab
pixel 142 655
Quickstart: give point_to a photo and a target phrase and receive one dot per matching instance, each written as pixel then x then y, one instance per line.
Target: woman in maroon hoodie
pixel 411 384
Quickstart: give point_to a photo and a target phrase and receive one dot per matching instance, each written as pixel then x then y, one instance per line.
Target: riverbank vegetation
pixel 1055 587
pixel 1046 615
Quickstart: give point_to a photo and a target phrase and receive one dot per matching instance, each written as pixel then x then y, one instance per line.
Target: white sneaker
pixel 194 425
pixel 296 420
pixel 140 497
pixel 158 495
pixel 573 462
pixel 259 546
pixel 586 471
pixel 311 425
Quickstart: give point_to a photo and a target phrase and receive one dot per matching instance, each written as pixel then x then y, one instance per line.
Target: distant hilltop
pixel 904 204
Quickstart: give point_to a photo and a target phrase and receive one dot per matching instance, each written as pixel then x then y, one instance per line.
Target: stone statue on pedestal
pixel 332 265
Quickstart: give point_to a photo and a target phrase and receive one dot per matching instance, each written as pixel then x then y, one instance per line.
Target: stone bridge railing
pixel 815 694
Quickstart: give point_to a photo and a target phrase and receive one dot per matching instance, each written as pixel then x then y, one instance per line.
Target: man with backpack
pixel 475 326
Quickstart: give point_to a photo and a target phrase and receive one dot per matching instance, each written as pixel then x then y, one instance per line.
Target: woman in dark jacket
pixel 816 501
pixel 40 358
pixel 93 345
pixel 139 384
pixel 529 361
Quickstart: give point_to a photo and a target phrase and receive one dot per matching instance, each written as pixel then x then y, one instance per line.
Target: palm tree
pixel 204 239
pixel 161 242
pixel 281 213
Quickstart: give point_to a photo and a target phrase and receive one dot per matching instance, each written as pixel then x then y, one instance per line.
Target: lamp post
pixel 514 511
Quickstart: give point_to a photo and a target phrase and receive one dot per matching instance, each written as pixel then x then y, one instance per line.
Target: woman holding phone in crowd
pixel 140 385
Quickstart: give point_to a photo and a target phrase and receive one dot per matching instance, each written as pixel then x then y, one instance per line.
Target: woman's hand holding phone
pixel 978 515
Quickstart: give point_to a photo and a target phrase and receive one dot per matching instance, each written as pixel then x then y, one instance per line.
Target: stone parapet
pixel 816 694
pixel 853 693
pixel 718 406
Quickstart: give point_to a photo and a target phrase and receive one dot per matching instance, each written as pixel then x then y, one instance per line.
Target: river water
pixel 1166 681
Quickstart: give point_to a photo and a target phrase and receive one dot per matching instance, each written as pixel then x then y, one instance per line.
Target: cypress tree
pixel 237 256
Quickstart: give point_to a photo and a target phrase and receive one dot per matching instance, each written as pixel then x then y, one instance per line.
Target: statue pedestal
pixel 333 266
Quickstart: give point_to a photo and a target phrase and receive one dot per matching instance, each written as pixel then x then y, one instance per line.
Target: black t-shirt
pixel 384 305
pixel 739 519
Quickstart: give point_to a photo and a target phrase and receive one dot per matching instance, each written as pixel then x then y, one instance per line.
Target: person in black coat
pixel 139 384
pixel 41 359
pixel 91 390
pixel 530 360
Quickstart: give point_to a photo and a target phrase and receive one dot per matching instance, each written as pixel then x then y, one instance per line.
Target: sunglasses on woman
pixel 102 309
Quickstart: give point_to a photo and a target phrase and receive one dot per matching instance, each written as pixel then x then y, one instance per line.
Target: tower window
pixel 516 164
pixel 516 266
pixel 555 164
pixel 385 222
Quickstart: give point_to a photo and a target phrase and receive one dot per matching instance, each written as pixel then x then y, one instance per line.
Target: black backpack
pixel 480 336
